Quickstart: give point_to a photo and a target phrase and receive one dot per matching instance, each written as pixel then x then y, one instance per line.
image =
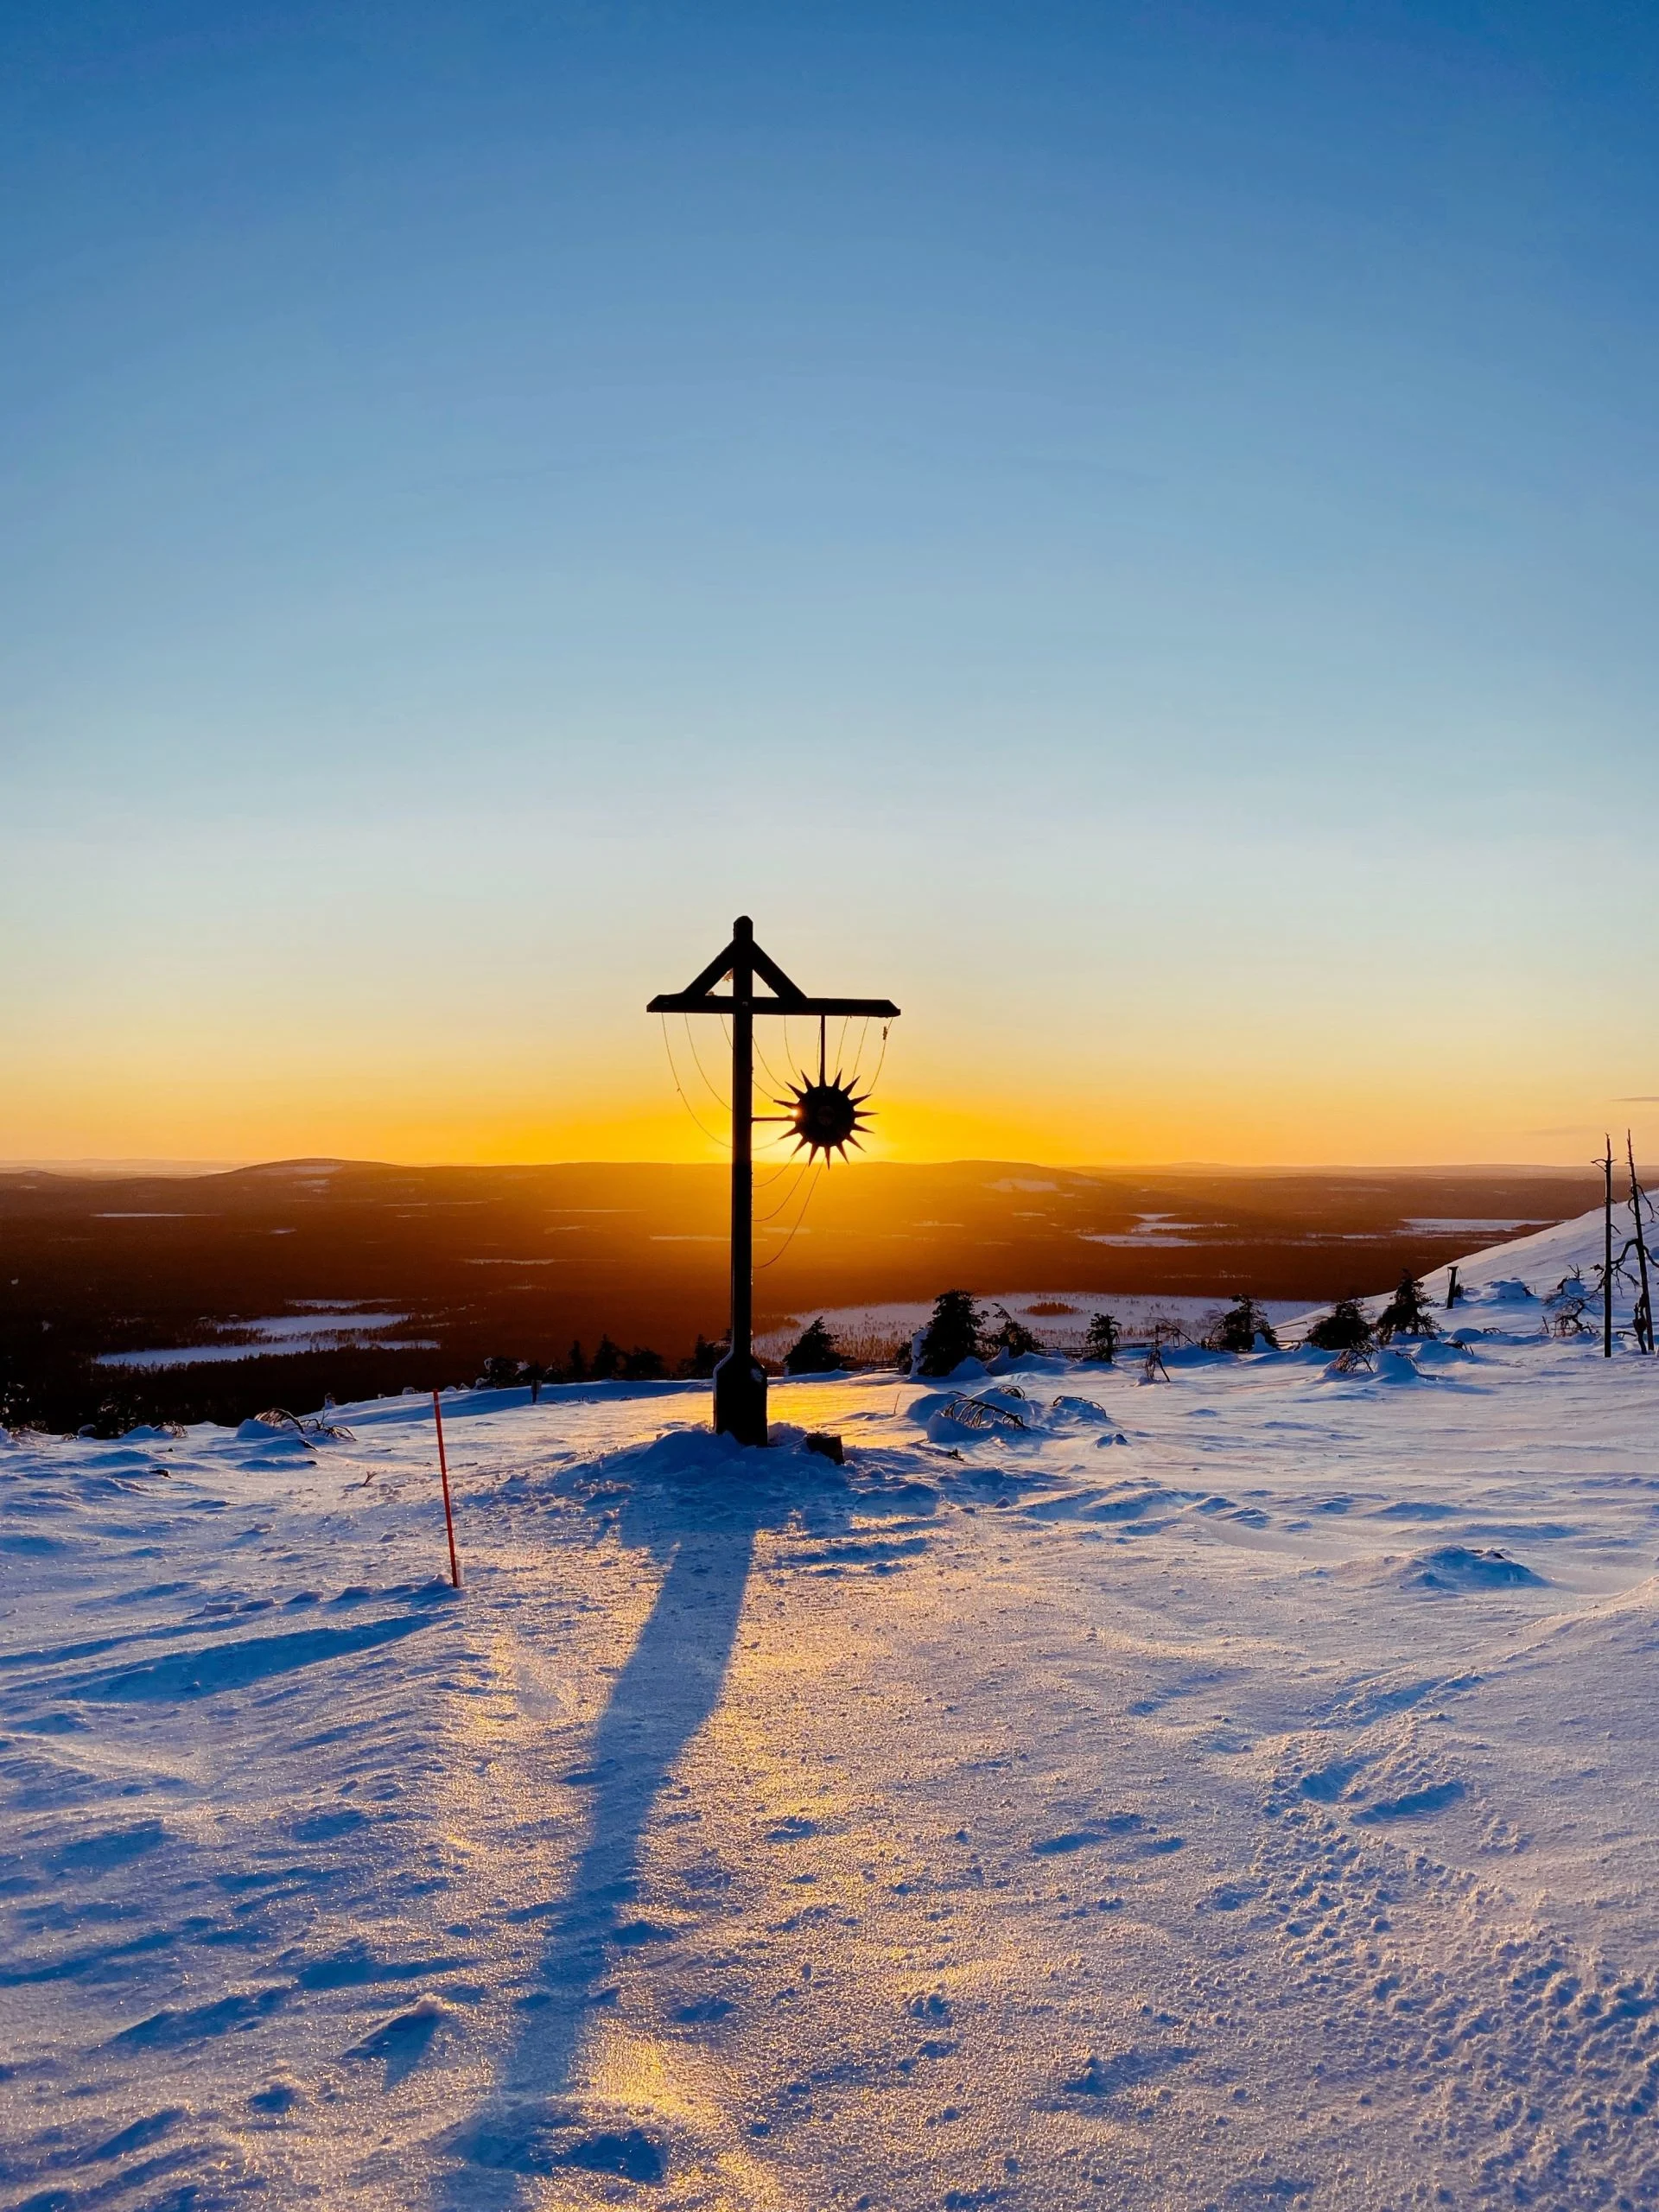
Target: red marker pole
pixel 444 1471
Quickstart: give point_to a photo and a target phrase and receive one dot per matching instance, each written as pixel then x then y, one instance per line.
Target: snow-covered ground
pixel 1233 1791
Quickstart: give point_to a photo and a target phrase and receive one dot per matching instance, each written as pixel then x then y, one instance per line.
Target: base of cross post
pixel 741 1398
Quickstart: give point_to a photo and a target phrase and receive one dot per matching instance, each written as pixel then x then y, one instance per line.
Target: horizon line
pixel 92 1168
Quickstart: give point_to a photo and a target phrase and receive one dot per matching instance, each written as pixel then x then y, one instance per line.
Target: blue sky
pixel 1131 529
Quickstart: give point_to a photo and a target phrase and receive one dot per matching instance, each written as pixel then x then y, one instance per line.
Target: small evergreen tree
pixel 1406 1313
pixel 1240 1325
pixel 1346 1327
pixel 1012 1337
pixel 606 1362
pixel 1101 1341
pixel 705 1357
pixel 815 1351
pixel 642 1364
pixel 576 1368
pixel 952 1335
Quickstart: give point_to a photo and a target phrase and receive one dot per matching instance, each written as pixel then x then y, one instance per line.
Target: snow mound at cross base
pixel 1455 1568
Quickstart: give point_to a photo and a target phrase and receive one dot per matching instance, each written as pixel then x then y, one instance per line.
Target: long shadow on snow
pixel 533 2125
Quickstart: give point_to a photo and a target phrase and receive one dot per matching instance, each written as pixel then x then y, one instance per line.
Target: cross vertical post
pixel 739 1380
pixel 826 1117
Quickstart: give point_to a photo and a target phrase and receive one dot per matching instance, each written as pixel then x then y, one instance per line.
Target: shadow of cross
pixel 668 1689
pixel 704 1518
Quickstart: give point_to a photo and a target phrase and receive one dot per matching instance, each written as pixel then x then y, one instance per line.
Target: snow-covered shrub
pixel 952 1335
pixel 1100 1341
pixel 1239 1327
pixel 1012 1339
pixel 1346 1327
pixel 1406 1313
pixel 1352 1359
pixel 1566 1306
pixel 815 1351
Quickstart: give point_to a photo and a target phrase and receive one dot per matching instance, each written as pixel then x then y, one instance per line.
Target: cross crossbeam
pixel 706 1002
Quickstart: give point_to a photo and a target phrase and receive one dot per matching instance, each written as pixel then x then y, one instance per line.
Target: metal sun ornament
pixel 827 1115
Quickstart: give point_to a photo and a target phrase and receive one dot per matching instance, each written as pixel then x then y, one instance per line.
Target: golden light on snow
pixel 696 2102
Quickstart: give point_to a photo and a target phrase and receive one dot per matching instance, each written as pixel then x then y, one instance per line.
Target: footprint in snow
pixel 1414 1804
pixel 327 1826
pixel 542 2140
pixel 404 2041
pixel 1326 1783
pixel 702 2011
pixel 278 2098
pixel 1125 2069
pixel 1104 1831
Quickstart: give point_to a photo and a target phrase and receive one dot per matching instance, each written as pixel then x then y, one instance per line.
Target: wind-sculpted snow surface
pixel 1232 1791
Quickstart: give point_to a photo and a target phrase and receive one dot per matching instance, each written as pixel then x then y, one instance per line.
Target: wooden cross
pixel 739 1380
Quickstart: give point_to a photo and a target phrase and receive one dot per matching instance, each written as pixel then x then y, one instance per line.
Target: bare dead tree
pixel 1163 1331
pixel 1643 1316
pixel 1564 1309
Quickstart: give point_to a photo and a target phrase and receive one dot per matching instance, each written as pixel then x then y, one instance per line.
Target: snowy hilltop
pixel 1228 1789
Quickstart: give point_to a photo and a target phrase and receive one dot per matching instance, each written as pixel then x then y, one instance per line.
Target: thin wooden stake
pixel 444 1472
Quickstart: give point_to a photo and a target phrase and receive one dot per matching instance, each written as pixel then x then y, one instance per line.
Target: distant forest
pixel 521 1264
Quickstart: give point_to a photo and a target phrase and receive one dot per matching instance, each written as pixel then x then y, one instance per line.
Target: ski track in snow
pixel 1229 1792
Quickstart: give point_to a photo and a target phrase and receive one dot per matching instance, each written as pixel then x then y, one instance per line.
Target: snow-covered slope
pixel 1542 1260
pixel 1497 1285
pixel 1234 1790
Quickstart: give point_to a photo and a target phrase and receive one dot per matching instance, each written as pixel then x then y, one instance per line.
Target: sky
pixel 1129 529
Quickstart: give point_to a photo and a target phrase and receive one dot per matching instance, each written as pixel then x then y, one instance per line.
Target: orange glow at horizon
pixel 496 1124
pixel 227 1060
